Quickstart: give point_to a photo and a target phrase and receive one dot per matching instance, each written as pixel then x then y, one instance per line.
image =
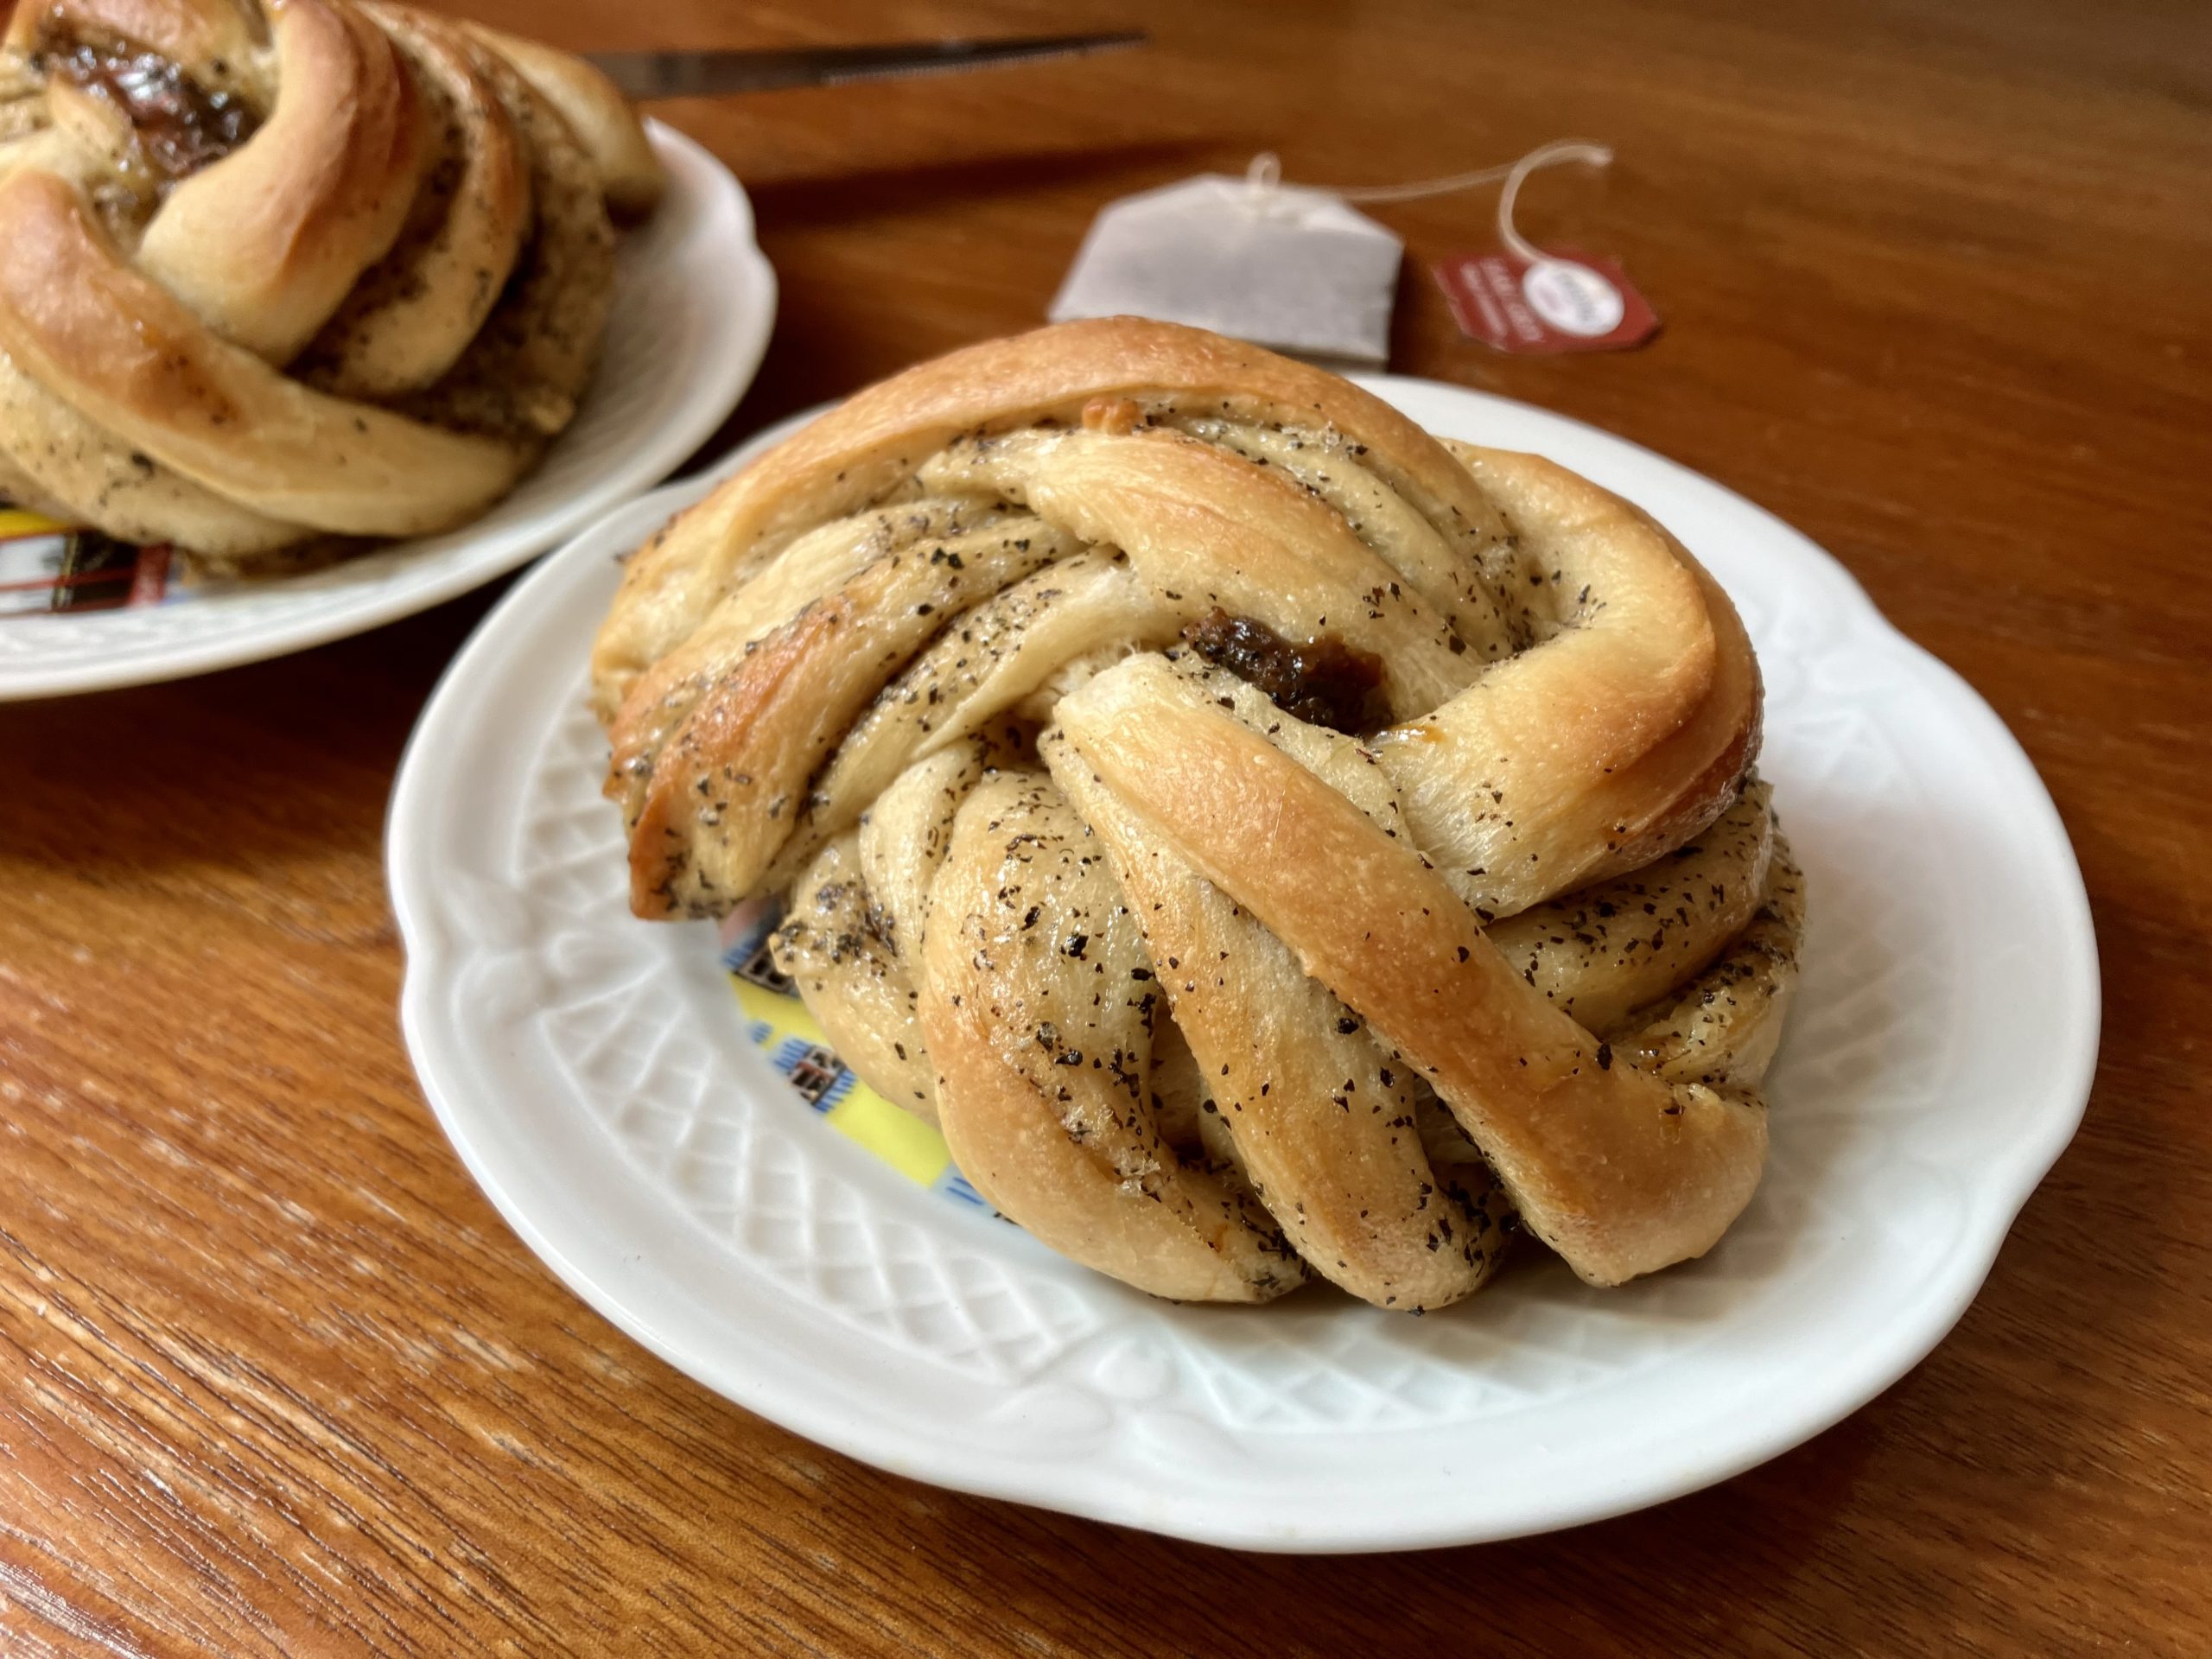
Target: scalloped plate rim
pixel 457 568
pixel 584 1263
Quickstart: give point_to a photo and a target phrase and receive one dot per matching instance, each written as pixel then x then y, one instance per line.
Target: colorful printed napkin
pixel 780 1025
pixel 48 569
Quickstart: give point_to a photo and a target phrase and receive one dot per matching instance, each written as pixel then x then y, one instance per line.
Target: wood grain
pixel 274 1379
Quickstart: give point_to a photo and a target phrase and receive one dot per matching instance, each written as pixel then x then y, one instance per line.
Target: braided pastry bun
pixel 277 272
pixel 1265 838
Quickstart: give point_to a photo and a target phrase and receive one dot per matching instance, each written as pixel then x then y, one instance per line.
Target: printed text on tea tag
pixel 1562 301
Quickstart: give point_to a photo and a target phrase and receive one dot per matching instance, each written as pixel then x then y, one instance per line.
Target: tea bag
pixel 1297 268
pixel 1281 266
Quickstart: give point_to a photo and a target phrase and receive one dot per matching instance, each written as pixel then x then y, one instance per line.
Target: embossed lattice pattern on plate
pixel 1926 1081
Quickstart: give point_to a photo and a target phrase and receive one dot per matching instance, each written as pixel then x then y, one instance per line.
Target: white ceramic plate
pixel 595 1073
pixel 692 309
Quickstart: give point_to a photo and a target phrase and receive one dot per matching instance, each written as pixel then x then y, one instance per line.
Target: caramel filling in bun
pixel 180 125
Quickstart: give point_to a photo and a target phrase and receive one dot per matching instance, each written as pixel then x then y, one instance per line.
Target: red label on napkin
pixel 47 568
pixel 1566 302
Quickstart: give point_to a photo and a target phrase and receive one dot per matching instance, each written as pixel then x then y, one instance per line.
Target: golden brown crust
pixel 1617 945
pixel 1041 1077
pixel 409 318
pixel 524 373
pixel 724 792
pixel 1615 1171
pixel 630 175
pixel 834 944
pixel 76 471
pixel 1617 738
pixel 282 271
pixel 1321 1117
pixel 264 245
pixel 1187 952
pixel 74 314
pixel 862 447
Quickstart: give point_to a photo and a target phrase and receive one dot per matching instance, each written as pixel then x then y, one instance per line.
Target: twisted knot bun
pixel 272 272
pixel 1266 839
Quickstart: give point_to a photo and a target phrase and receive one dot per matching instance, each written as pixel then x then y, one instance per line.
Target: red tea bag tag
pixel 1562 299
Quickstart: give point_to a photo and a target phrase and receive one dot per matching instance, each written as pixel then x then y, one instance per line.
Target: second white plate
pixel 693 305
pixel 596 1073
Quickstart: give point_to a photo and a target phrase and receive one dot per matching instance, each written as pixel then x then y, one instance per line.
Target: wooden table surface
pixel 1937 285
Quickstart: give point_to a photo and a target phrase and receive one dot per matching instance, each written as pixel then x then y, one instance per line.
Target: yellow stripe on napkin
pixel 791 1037
pixel 14 522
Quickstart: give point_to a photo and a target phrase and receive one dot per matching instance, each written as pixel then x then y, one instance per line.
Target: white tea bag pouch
pixel 1280 265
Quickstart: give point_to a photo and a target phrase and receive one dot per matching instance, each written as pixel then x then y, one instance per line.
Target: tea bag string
pixel 1265 173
